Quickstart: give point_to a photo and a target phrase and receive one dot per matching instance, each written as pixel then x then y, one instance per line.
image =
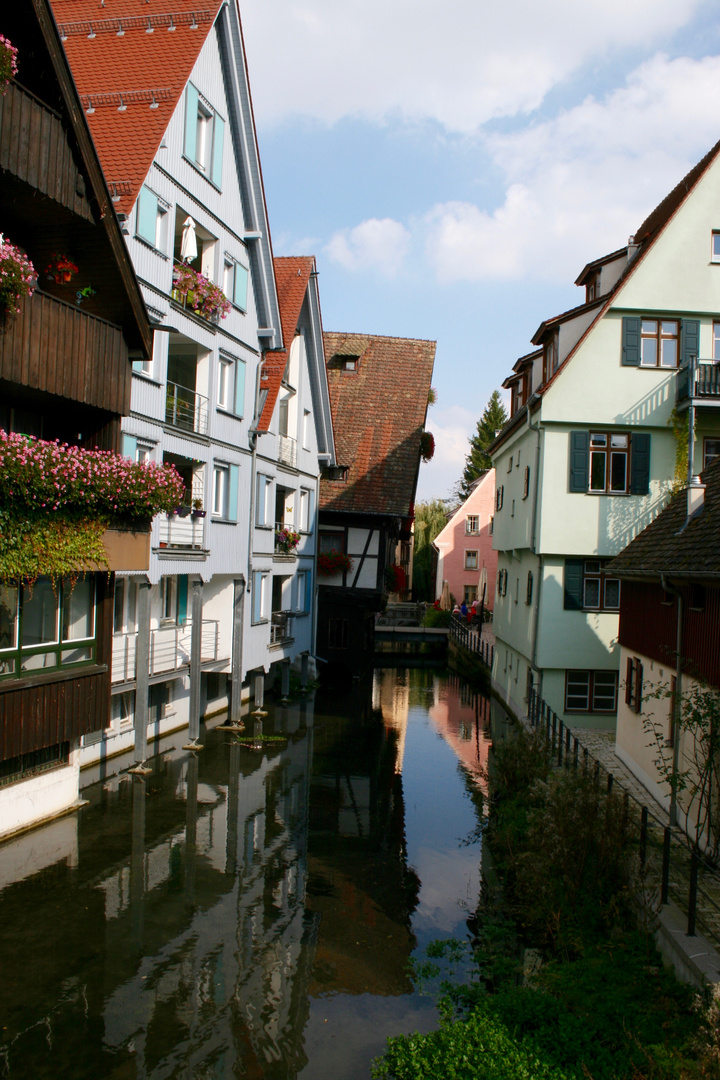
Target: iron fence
pixel 472 640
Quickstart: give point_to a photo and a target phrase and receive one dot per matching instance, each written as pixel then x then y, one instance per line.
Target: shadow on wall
pixel 570 639
pixel 662 396
pixel 622 517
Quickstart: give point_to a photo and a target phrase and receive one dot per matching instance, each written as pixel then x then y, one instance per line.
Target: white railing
pixel 181 532
pixel 169 649
pixel 185 409
pixel 280 627
pixel 287 450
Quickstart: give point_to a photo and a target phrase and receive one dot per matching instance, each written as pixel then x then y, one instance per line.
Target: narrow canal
pixel 245 913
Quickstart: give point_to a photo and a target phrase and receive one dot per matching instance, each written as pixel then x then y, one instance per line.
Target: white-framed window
pixel 659 343
pixel 122 711
pixel 260 596
pixel 235 282
pixel 711 450
pixel 609 462
pixel 471 560
pixel 591 691
pixel 472 524
pixel 263 501
pixel 715 246
pixel 716 341
pixel 49 625
pixel 231 384
pixel 139 450
pixel 225 485
pixel 204 135
pixel 151 218
pixel 302 591
pixel 168 598
pixel 125 605
pixel 305 519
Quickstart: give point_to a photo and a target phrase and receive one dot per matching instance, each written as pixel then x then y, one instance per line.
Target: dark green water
pixel 248 914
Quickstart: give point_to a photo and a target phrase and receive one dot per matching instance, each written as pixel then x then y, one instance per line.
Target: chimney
pixel 695 497
pixel 632 248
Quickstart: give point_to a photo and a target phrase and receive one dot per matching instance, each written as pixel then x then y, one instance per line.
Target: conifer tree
pixel 478 460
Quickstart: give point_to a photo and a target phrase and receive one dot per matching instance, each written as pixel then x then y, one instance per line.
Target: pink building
pixel 466 559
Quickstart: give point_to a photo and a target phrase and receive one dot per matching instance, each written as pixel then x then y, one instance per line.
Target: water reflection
pixel 246 913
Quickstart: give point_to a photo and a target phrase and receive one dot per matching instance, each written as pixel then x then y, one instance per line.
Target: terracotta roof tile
pixel 133 69
pixel 292 274
pixel 378 413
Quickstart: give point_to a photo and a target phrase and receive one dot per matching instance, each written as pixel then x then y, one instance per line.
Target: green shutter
pixel 234 473
pixel 573 599
pixel 689 340
pixel 217 150
pixel 129 446
pixel 639 463
pixel 239 387
pixel 147 212
pixel 182 598
pixel 631 341
pixel 240 290
pixel 192 99
pixel 579 460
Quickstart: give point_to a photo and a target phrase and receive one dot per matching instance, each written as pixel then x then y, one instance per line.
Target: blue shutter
pixel 573 592
pixel 689 339
pixel 240 290
pixel 239 387
pixel 192 99
pixel 147 212
pixel 217 150
pixel 639 463
pixel 129 446
pixel 182 598
pixel 631 341
pixel 579 460
pixel 233 477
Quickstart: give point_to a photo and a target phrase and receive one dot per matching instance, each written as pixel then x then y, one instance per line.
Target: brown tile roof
pixel 378 413
pixel 666 547
pixel 122 65
pixel 571 313
pixel 292 275
pixel 664 210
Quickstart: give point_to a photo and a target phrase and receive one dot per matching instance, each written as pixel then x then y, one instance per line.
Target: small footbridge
pixel 400 624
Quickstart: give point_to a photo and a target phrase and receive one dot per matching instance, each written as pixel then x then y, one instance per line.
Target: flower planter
pixel 199 513
pixel 183 511
pixel 126 549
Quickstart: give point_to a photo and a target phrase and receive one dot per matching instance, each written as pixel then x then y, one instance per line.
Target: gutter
pixel 533 541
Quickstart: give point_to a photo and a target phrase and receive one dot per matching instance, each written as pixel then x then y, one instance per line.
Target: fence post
pixel 692 898
pixel 575 753
pixel 560 742
pixel 643 834
pixel 585 760
pixel 665 880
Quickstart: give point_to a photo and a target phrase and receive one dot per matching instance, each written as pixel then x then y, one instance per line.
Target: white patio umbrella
pixel 188 248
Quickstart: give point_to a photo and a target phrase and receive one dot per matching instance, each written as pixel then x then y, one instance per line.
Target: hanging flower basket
pixel 332 562
pixel 395 579
pixel 427 445
pixel 8 62
pixel 199 293
pixel 60 269
pixel 286 540
pixel 17 277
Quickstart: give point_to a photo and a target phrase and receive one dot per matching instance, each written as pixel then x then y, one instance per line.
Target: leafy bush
pixel 436 617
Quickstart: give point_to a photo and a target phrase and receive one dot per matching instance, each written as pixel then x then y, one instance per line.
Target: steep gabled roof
pixel 378 413
pixel 132 78
pixel 662 213
pixel 669 546
pixel 588 268
pixel 550 324
pixel 292 275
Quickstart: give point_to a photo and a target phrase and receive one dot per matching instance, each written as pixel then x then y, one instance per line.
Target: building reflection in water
pixel 463 717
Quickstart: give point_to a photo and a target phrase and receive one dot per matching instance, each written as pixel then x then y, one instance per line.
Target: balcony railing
pixel 698 379
pixel 181 532
pixel 169 649
pixel 280 627
pixel 185 409
pixel 287 450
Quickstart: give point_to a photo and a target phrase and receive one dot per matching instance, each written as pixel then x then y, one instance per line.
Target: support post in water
pixel 195 664
pixel 259 694
pixel 142 675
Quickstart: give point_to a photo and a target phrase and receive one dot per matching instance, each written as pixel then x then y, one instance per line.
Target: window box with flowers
pixel 195 291
pixel 61 269
pixel 333 562
pixel 286 541
pixel 8 62
pixel 395 578
pixel 17 277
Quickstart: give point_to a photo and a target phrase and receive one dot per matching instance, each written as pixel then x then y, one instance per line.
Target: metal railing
pixel 287 450
pixel 470 638
pixel 679 869
pixel 169 649
pixel 698 379
pixel 181 532
pixel 185 409
pixel 280 627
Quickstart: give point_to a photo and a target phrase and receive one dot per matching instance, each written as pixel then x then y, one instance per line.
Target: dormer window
pixel 350 363
pixel 592 287
pixel 551 355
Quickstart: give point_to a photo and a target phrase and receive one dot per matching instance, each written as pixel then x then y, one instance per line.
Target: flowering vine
pixel 199 293
pixel 8 62
pixel 17 277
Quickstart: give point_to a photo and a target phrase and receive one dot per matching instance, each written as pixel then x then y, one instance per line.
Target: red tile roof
pixel 292 275
pixel 118 65
pixel 378 413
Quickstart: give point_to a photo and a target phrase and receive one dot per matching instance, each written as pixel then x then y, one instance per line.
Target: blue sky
pixel 453 167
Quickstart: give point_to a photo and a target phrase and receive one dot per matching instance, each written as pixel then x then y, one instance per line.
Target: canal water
pixel 245 913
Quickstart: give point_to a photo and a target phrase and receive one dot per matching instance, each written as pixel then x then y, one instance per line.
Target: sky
pixel 454 166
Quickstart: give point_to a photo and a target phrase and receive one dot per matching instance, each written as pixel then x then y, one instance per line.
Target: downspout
pixel 533 543
pixel 252 439
pixel 677 702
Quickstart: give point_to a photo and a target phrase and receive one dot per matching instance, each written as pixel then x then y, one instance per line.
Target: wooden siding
pixel 33 717
pixel 649 627
pixel 34 146
pixel 57 348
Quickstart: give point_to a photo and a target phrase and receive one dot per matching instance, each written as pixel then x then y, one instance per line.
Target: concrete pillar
pixel 259 694
pixel 142 673
pixel 195 661
pixel 234 716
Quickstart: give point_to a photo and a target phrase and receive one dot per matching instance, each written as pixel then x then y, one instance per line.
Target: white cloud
pixel 376 244
pixel 461 63
pixel 451 427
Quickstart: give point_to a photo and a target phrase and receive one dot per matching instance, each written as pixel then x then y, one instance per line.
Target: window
pixel 137 449
pixel 472 524
pixel 260 596
pixel 614 463
pixel 711 450
pixel 591 691
pixel 551 355
pixel 235 282
pixel 471 560
pixel 659 343
pixel 303 599
pixel 502 582
pixel 204 134
pixel 226 383
pixel 125 605
pixel 510 463
pixel 716 341
pixel 491 524
pixel 526 482
pixel 529 590
pixel 151 219
pixel 306 521
pixel 634 684
pixel 330 542
pixel 225 488
pixel 589 588
pixel 122 712
pixel 499 494
pixel 469 593
pixel 350 363
pixel 338 633
pixel 715 249
pixel 46 626
pixel 264 508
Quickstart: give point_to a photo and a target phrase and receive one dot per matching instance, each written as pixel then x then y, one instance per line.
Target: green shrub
pixel 436 617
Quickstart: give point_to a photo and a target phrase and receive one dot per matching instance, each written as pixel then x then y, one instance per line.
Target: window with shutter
pixel 573 585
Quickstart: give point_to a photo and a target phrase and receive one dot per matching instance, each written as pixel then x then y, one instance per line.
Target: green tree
pixel 478 460
pixel 430 519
